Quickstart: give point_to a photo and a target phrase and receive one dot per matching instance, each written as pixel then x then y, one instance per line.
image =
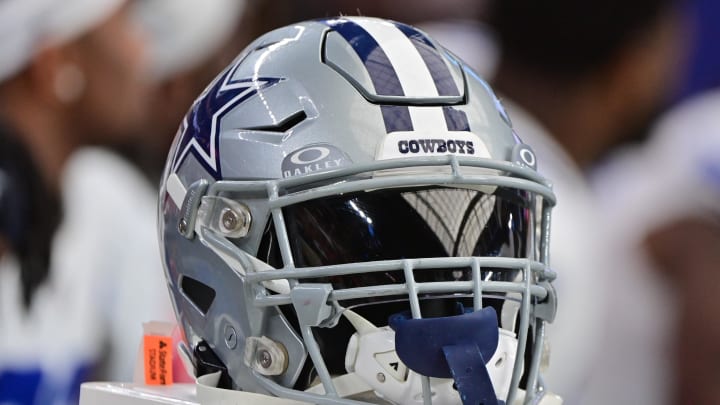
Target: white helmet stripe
pixel 411 70
pixel 413 73
pixel 430 120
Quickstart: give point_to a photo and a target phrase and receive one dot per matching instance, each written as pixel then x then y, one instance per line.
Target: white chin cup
pixel 371 356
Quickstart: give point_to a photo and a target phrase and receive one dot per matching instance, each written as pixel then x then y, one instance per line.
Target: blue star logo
pixel 199 130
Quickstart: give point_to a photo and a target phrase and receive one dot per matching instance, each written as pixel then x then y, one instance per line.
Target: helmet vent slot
pixel 200 294
pixel 285 124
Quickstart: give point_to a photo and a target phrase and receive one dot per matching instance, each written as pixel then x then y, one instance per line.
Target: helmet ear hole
pixel 200 294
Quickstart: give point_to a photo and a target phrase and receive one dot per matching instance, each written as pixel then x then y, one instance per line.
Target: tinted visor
pixel 407 223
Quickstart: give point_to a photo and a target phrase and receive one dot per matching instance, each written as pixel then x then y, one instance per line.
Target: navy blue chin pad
pixel 419 342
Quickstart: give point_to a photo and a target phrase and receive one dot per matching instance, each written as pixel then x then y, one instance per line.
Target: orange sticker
pixel 158 360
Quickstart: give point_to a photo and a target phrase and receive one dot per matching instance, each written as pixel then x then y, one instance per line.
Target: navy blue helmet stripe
pixel 456 120
pixel 397 118
pixel 436 65
pixel 382 74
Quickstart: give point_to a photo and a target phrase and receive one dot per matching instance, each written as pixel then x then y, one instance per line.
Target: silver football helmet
pixel 348 217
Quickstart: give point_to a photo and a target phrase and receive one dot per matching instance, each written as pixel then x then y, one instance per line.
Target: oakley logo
pixel 424 146
pixel 309 155
pixel 313 159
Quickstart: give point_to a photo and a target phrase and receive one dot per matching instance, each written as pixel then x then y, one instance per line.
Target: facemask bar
pixel 533 272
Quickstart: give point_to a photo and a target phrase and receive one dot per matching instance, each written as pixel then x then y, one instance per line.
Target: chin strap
pixel 472 380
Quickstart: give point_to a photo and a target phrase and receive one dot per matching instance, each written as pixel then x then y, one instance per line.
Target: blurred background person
pixel 578 79
pixel 666 195
pixel 80 269
pixel 660 199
